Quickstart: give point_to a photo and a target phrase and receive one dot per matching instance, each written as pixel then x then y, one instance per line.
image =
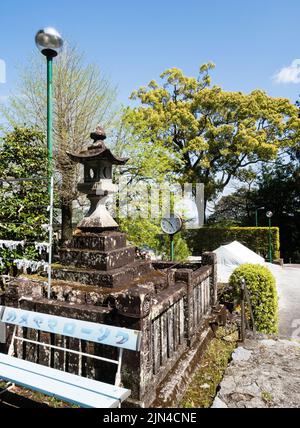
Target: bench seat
pixel 61 385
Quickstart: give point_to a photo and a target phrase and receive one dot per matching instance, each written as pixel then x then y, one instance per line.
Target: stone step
pixel 95 259
pixel 112 279
pixel 106 241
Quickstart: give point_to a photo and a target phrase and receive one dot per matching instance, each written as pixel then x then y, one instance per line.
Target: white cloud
pixel 290 74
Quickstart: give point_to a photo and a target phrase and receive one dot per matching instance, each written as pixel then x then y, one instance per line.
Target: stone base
pixel 94 259
pixel 98 251
pixel 104 241
pixel 110 279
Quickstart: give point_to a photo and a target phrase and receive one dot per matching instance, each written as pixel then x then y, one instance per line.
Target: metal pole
pixel 50 236
pixel 172 248
pixel 256 218
pixel 270 243
pixel 243 312
pixel 49 115
pixel 50 164
pixel 250 308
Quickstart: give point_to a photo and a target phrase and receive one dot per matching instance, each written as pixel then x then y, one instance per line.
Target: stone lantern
pixel 98 161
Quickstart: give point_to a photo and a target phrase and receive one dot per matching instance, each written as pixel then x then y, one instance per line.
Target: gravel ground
pixel 262 374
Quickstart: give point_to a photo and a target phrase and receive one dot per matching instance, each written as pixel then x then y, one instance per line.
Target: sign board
pixel 89 331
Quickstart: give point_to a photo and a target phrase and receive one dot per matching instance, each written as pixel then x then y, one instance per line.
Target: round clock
pixel 171 224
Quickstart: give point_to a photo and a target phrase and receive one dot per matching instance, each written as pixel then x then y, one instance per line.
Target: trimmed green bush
pixel 263 295
pixel 255 238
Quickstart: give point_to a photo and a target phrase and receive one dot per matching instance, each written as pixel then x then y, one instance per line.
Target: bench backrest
pixel 89 331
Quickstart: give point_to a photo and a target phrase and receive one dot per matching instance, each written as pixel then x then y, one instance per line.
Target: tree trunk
pixel 66 221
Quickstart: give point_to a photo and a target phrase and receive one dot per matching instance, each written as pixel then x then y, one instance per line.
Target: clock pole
pixel 172 248
pixel 171 225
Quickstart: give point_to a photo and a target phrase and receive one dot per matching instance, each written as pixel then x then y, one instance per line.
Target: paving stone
pixel 267 376
pixel 268 342
pixel 241 354
pixel 219 404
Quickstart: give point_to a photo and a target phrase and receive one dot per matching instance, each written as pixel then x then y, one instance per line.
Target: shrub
pixel 255 238
pixel 181 249
pixel 263 295
pixel 23 205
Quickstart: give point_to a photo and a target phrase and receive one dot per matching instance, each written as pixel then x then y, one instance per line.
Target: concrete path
pixel 266 373
pixel 288 286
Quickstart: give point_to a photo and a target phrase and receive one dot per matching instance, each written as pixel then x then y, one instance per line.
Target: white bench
pixel 64 386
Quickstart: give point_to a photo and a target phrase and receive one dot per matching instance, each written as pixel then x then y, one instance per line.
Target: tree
pixel 210 135
pixel 144 169
pixel 279 191
pixel 276 189
pixel 23 204
pixel 83 97
pixel 231 210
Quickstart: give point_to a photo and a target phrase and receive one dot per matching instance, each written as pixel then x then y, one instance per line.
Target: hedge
pixel 255 238
pixel 263 295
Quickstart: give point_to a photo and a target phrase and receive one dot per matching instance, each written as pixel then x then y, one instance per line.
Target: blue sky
pixel 134 41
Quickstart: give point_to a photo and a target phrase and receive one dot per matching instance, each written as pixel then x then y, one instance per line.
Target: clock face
pixel 171 224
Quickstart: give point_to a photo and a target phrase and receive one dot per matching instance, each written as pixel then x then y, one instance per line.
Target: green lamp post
pixel 50 43
pixel 269 216
pixel 256 215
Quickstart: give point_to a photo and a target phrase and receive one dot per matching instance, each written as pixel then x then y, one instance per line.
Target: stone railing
pixel 173 312
pixel 174 320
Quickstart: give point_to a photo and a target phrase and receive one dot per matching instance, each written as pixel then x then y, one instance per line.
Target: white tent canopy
pixel 230 256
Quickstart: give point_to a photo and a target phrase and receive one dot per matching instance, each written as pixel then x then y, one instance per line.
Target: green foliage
pixel 23 205
pixel 277 189
pixel 255 238
pixel 181 249
pixel 234 210
pixel 82 97
pixel 209 135
pixel 263 295
pixel 147 233
pixel 210 372
pixel 141 232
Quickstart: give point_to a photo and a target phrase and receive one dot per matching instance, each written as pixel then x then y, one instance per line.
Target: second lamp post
pixel 269 216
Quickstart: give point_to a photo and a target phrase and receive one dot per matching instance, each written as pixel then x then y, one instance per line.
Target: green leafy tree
pixel 23 204
pixel 230 210
pixel 277 189
pixel 206 134
pixel 83 97
pixel 147 233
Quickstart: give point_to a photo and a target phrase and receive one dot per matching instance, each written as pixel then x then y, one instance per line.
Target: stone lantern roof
pixel 97 151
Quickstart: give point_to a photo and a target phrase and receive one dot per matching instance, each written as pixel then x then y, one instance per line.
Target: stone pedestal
pixel 100 259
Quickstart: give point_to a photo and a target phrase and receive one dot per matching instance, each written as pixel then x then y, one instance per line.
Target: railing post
pixel 243 312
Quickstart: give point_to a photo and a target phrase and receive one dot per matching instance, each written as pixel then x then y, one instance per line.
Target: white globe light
pixel 49 41
pixel 269 214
